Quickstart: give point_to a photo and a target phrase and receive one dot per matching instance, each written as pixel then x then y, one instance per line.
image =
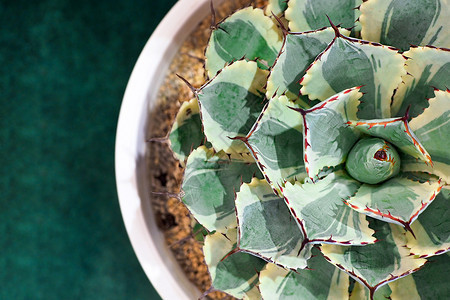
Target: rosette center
pixel 373 160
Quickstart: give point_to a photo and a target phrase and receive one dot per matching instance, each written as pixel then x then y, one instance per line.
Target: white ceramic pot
pixel 131 170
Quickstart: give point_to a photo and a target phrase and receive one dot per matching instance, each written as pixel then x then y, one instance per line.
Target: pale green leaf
pixel 351 62
pixel 401 23
pixel 320 211
pixel 298 52
pixel 186 133
pixel 397 131
pixel 321 281
pixel 398 200
pixel 410 164
pixel 230 104
pixel 209 186
pixel 235 274
pixel 428 68
pixel 432 128
pixel 432 228
pixel 376 264
pixel 276 143
pixel 266 228
pixel 327 137
pixel 306 15
pixel 246 33
pixel 430 282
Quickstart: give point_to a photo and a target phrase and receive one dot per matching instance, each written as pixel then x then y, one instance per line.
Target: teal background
pixel 64 68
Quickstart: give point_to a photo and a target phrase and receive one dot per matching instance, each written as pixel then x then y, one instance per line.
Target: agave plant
pixel 321 166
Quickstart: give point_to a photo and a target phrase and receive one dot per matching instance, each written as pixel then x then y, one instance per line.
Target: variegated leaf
pixel 253 294
pixel 186 133
pixel 264 221
pixel 230 104
pixel 376 264
pixel 430 282
pixel 277 7
pixel 405 288
pixel 209 186
pixel 428 68
pixel 401 23
pixel 321 281
pixel 199 232
pixel 246 33
pixel 361 292
pixel 432 128
pixel 432 228
pixel 306 15
pixel 397 131
pixel 350 62
pixel 276 143
pixel 398 200
pixel 321 213
pixel 235 274
pixel 327 137
pixel 410 164
pixel 298 52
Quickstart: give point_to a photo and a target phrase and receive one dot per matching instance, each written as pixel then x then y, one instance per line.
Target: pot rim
pixel 132 184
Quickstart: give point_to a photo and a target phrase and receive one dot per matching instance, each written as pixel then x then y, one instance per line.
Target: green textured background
pixel 64 68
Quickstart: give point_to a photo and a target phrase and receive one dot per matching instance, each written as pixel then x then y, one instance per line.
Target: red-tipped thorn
pixel 158 140
pixel 213 16
pixel 336 30
pixel 241 138
pixel 170 195
pixel 406 116
pixel 302 111
pixel 283 28
pixel 193 89
pixel 408 228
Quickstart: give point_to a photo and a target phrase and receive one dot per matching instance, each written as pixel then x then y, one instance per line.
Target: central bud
pixel 373 160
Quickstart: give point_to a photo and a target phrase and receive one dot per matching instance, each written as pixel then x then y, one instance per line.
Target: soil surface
pixel 166 172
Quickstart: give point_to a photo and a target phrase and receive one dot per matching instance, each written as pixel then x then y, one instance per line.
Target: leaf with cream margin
pixel 432 228
pixel 230 103
pixel 321 281
pixel 398 200
pixel 209 186
pixel 350 62
pixel 253 294
pixel 327 137
pixel 321 213
pixel 266 228
pixel 246 33
pixel 376 264
pixel 430 282
pixel 397 131
pixel 276 143
pixel 361 292
pixel 401 23
pixel 306 15
pixel 235 274
pixel 186 133
pixel 298 53
pixel 432 128
pixel 276 7
pixel 428 68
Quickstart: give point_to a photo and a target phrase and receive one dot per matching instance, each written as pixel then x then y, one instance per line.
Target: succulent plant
pixel 321 166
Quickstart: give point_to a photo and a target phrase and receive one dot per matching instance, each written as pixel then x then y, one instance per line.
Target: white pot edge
pixel 131 178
